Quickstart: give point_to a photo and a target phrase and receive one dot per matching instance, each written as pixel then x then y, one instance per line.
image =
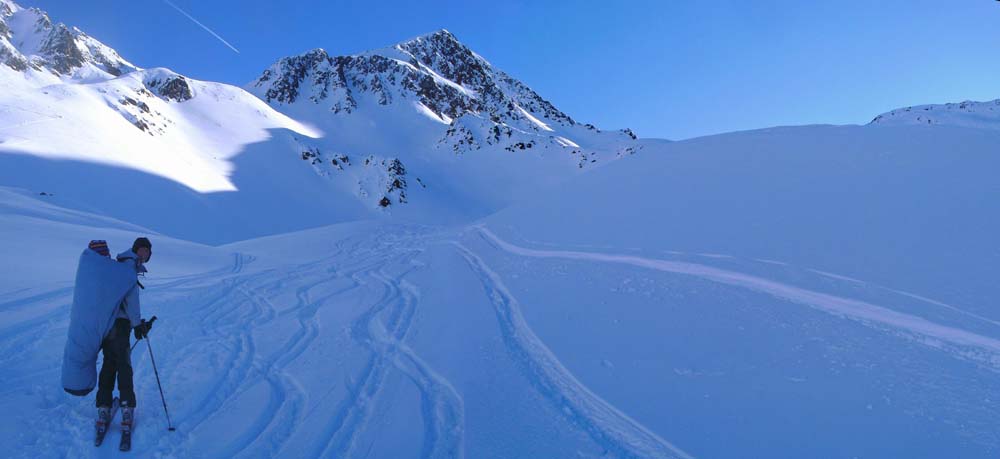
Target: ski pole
pixel 170 425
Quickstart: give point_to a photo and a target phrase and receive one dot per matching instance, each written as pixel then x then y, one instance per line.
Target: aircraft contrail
pixel 203 26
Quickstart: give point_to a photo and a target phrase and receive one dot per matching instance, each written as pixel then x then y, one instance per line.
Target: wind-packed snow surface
pixel 791 292
pixel 431 286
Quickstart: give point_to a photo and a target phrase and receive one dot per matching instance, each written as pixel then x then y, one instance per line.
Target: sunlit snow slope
pixel 423 131
pixel 793 292
pixel 813 291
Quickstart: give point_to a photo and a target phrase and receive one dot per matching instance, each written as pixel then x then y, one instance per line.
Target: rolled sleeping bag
pixel 101 284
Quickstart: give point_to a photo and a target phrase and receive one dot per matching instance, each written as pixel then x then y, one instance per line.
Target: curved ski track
pixel 958 342
pixel 606 425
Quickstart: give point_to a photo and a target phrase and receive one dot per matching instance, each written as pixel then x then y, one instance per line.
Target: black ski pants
pixel 117 362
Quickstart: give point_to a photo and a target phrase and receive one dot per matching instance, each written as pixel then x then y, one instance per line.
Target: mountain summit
pixel 29 39
pixel 439 77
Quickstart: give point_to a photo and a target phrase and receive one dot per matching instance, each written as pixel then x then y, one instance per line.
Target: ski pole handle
pixel 151 320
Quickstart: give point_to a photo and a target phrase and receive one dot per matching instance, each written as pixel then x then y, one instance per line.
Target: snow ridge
pixel 982 115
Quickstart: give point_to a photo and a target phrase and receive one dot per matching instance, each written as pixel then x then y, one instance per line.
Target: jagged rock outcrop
pixel 380 181
pixel 175 88
pixel 38 43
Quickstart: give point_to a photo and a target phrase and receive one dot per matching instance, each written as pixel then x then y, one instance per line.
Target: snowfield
pixel 408 253
pixel 659 316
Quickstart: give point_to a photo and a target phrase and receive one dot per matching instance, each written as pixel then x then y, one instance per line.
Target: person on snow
pixel 105 312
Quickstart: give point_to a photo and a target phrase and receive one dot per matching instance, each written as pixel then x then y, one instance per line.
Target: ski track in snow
pixel 442 407
pixel 958 342
pixel 224 307
pixel 227 306
pixel 606 425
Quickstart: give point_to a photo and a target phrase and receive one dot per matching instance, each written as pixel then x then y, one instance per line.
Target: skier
pixel 105 312
pixel 115 345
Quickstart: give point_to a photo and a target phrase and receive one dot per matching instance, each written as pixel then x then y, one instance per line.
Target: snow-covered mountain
pixel 425 130
pixel 29 39
pixel 438 77
pixel 810 291
pixel 145 145
pixel 434 108
pixel 985 115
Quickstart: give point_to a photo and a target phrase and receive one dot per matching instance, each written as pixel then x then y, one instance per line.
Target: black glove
pixel 143 328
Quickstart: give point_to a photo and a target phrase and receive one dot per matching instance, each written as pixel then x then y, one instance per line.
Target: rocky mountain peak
pixel 433 74
pixel 436 70
pixel 30 39
pixel 443 52
pixel 6 9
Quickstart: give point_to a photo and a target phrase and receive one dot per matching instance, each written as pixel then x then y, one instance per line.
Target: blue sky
pixel 665 69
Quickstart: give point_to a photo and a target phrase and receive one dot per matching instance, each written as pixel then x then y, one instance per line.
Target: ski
pixel 102 428
pixel 128 422
pixel 126 442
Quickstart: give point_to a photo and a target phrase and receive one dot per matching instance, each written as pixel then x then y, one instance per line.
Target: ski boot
pixel 103 420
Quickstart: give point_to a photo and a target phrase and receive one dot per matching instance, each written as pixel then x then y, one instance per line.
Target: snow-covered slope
pixel 200 160
pixel 424 131
pixel 982 115
pixel 476 138
pixel 154 121
pixel 816 291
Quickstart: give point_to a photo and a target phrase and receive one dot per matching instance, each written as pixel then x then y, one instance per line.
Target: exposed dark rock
pixel 61 50
pixel 312 154
pixel 290 73
pixel 108 65
pixel 384 202
pixel 137 103
pixel 173 88
pixel 12 60
pixel 460 137
pixel 340 161
pixel 395 167
pixel 521 145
